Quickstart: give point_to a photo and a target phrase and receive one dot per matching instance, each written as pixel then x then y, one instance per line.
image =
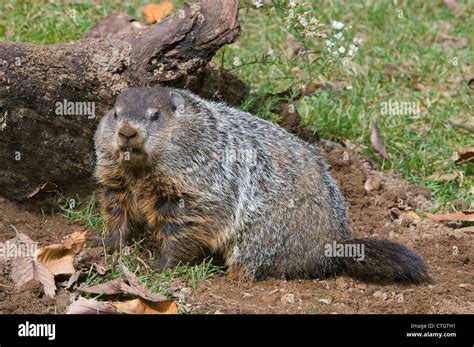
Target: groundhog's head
pixel 144 125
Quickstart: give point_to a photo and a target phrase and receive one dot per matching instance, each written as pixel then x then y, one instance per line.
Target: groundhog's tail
pixel 383 260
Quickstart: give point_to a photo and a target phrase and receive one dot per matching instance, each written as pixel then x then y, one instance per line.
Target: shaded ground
pixel 448 252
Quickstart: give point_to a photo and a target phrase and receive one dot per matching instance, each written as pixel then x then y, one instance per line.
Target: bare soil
pixel 448 252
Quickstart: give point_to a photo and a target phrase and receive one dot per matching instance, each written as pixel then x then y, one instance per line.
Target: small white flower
pixel 303 21
pixel 270 52
pixel 352 47
pixel 329 43
pixel 339 36
pixel 338 25
pixel 349 87
pixel 357 41
pixel 258 3
pixel 293 3
pixel 341 49
pixel 335 54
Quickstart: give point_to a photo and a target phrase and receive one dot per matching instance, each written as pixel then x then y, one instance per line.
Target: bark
pixel 39 144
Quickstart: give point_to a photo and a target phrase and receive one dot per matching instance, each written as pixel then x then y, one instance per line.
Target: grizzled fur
pixel 209 179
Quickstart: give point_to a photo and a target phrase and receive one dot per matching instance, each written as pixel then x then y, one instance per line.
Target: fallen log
pixel 52 96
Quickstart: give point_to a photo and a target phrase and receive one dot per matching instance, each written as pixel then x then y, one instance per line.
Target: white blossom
pixel 258 3
pixel 339 36
pixel 338 25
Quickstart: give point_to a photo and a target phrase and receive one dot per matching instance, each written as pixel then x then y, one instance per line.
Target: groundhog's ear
pixel 178 103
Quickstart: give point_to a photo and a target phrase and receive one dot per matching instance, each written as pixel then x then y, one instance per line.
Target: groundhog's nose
pixel 127 131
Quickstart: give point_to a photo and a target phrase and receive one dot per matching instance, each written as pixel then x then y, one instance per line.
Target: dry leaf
pixel 140 306
pixel 110 288
pixel 138 288
pixel 153 13
pixel 466 216
pixel 26 269
pixel 46 187
pixel 443 177
pixel 21 245
pixel 411 214
pixel 465 155
pixel 118 286
pixel 73 279
pixel 59 258
pixel 89 306
pixel 452 5
pixel 453 41
pixel 377 141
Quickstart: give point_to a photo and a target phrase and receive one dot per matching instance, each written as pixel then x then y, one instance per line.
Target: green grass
pixel 397 54
pixel 401 59
pixel 85 213
pixel 88 214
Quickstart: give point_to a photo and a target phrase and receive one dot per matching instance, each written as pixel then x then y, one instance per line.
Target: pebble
pixel 340 282
pixel 325 301
pixel 372 183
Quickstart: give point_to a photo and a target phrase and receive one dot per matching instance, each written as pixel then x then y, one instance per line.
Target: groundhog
pixel 211 180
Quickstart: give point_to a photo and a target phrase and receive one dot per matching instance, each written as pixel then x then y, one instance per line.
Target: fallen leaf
pixel 453 41
pixel 465 155
pixel 109 288
pixel 309 88
pixel 90 306
pixel 25 269
pixel 46 187
pixel 19 246
pixel 138 288
pixel 452 5
pixel 73 279
pixel 376 140
pixel 59 258
pixel 443 177
pixel 140 306
pixel 118 286
pixel 411 214
pixel 466 216
pixel 153 13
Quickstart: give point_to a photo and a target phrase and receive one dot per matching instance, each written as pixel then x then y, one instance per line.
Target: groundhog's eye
pixel 155 115
pixel 115 115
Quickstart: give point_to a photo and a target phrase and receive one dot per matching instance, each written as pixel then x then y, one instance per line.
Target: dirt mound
pixel 385 211
pixel 381 205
